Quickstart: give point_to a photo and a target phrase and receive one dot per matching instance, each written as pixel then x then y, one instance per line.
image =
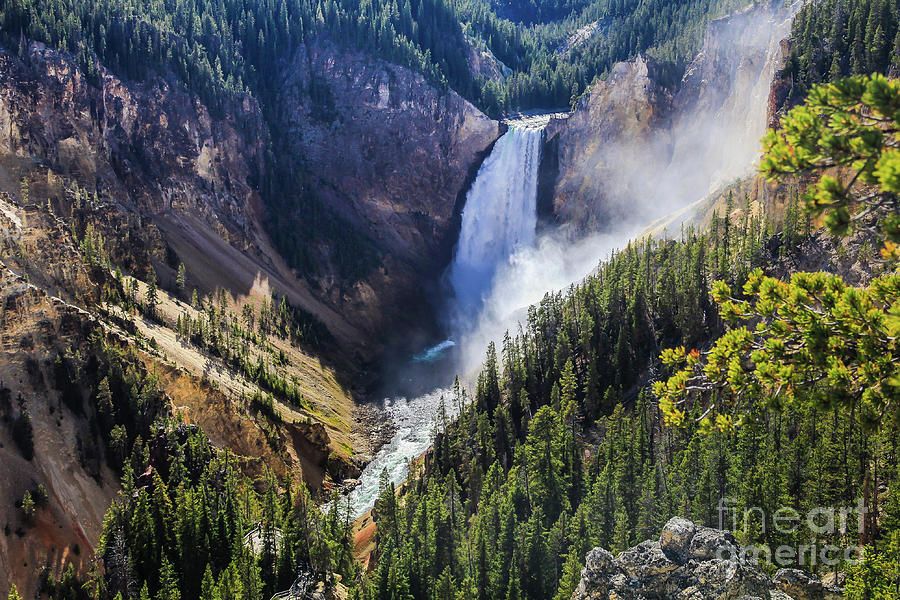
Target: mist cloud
pixel 710 139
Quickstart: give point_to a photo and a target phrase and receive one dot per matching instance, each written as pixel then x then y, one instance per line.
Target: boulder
pixel 599 559
pixel 596 575
pixel 730 580
pixel 675 539
pixel 708 544
pixel 799 584
pixel 645 562
pixel 833 583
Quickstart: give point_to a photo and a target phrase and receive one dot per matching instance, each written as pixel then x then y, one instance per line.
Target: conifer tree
pixel 152 293
pixel 208 589
pixel 168 581
pixel 181 278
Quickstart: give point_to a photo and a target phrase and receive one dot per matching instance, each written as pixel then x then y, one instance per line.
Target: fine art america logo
pixel 825 525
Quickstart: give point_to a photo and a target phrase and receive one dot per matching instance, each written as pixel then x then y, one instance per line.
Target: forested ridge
pixel 831 39
pixel 224 49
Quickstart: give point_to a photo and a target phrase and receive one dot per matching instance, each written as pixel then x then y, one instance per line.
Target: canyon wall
pixel 382 148
pixel 391 154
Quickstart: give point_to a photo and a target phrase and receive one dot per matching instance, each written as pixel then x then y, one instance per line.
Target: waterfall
pixel 500 214
pixel 498 220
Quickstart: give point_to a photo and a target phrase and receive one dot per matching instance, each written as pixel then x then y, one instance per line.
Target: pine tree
pixel 27 505
pixel 208 589
pixel 513 588
pixel 152 293
pixel 835 72
pixel 445 589
pixel 169 588
pixel 181 278
pixel 571 574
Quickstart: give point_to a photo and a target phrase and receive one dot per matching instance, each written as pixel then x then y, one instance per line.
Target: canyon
pixel 399 165
pixel 629 154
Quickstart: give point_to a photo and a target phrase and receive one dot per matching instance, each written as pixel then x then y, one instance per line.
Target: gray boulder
pixel 730 580
pixel 799 585
pixel 709 544
pixel 675 539
pixel 598 565
pixel 681 541
pixel 691 562
pixel 645 562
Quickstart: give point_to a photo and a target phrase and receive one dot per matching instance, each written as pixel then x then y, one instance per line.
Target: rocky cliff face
pixel 381 147
pixel 631 150
pixel 163 168
pixel 482 62
pixel 690 562
pixel 611 123
pixel 725 91
pixel 393 155
pixel 149 146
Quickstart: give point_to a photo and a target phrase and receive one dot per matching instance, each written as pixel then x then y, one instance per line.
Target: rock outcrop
pixel 690 562
pixel 482 62
pixel 614 123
